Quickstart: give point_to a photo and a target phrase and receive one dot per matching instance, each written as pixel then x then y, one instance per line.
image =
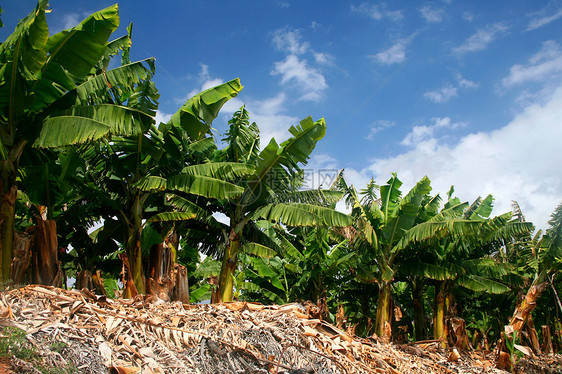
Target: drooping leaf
pixel 258 250
pixel 197 114
pixel 80 48
pixel 297 214
pixel 66 130
pixel 222 170
pixel 171 216
pixel 204 186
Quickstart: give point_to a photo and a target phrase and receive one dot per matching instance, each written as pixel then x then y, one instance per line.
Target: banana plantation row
pixel 94 189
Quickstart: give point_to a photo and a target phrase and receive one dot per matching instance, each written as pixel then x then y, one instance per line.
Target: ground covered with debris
pixel 49 330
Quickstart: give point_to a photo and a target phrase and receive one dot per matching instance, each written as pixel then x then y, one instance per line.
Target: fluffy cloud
pixel 448 91
pixel 393 55
pixel 379 126
pixel 423 133
pixel 442 95
pixel 289 41
pixel 432 15
pixel 377 11
pixel 295 70
pixel 520 161
pixel 162 117
pixel 543 65
pixel 544 17
pixel 481 38
pixel 305 78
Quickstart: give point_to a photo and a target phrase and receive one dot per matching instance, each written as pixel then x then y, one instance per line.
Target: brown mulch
pixel 93 334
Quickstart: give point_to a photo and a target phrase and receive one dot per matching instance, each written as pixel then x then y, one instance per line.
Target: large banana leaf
pixel 278 165
pixel 66 130
pixel 390 196
pixel 121 79
pixel 265 270
pixel 184 205
pixel 171 216
pixel 481 284
pixel 482 208
pixel 242 139
pixel 204 186
pixel 316 197
pixel 72 54
pixel 297 214
pixel 29 40
pixel 80 48
pixel 193 184
pixel 22 55
pixel 197 114
pixel 222 170
pixel 258 250
pixel 87 123
pixel 431 231
pixel 401 215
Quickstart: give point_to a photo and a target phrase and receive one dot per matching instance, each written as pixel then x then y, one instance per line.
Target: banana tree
pixel 542 256
pixel 272 192
pixel 135 172
pixel 380 226
pixel 462 254
pixel 56 91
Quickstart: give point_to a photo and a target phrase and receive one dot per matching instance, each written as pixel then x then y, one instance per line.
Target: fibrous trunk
pixel 134 252
pixel 7 214
pixel 439 319
pixel 383 323
pixel 520 317
pixel 22 257
pixel 46 267
pixel 228 267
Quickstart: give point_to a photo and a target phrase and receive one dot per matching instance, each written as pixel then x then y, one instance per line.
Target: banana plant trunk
pixel 9 192
pixel 420 328
pixel 439 331
pixel 526 307
pixel 134 250
pixel 46 268
pixel 226 277
pixel 167 279
pixel 519 319
pixel 383 320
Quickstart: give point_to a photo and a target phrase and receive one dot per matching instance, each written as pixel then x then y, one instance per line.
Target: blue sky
pixel 468 93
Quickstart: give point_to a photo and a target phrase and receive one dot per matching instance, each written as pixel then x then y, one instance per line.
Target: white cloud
pixel 520 161
pixel 481 38
pixel 377 11
pixel 393 55
pixel 306 79
pixel 162 117
pixel 544 65
pixel 449 91
pixel 432 15
pixel 423 133
pixel 465 83
pixel 289 41
pixel 271 118
pixel 544 17
pixel 323 58
pixel 295 70
pixel 467 16
pixel 442 95
pixel 379 126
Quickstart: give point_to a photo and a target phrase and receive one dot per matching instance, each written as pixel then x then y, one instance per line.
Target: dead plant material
pixel 95 334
